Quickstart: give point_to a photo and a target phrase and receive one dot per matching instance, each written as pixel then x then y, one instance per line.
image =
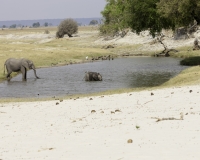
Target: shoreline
pixel 119 126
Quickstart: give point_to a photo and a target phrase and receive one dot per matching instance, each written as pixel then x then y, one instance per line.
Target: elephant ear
pixel 25 64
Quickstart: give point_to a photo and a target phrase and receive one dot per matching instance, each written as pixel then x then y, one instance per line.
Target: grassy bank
pixel 46 51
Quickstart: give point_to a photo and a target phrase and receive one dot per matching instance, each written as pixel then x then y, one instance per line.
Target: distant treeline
pixel 47 22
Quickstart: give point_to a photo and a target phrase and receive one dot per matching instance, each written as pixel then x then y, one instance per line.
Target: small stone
pixel 61 100
pixel 112 112
pixel 190 91
pixel 91 99
pixel 152 94
pixel 57 103
pixel 130 141
pixel 117 110
pixel 93 111
pixel 138 127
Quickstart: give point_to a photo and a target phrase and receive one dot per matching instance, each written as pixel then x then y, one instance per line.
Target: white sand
pixel 69 131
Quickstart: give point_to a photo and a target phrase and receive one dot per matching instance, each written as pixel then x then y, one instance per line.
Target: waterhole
pixel 119 73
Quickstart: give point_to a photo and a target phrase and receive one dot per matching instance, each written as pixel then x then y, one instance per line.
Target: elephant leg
pixel 8 76
pixel 23 70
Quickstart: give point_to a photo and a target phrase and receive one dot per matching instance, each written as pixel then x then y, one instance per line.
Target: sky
pixel 50 9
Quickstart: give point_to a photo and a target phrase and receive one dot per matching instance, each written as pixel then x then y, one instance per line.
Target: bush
pixel 191 61
pixel 46 24
pixel 13 26
pixel 67 26
pixel 93 22
pixel 46 31
pixel 35 25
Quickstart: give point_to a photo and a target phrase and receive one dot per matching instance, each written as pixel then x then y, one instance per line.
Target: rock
pixel 130 141
pixel 117 110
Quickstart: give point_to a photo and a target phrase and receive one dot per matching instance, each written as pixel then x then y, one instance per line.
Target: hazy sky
pixel 50 9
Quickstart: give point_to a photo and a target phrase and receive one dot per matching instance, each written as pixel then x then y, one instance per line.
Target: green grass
pixel 189 76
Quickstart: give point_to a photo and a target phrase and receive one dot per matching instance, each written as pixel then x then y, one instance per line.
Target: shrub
pixel 46 24
pixel 13 26
pixel 46 31
pixel 35 25
pixel 93 22
pixel 191 61
pixel 67 26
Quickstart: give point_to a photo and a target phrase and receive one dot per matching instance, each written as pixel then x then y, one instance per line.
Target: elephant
pixel 93 76
pixel 16 65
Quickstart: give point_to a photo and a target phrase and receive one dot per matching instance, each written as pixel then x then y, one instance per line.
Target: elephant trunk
pixel 33 67
pixel 4 69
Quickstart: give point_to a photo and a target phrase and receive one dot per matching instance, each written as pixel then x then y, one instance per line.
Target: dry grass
pixel 21 43
pixel 27 43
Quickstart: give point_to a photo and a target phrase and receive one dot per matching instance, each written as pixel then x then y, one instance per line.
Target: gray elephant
pixel 93 76
pixel 16 65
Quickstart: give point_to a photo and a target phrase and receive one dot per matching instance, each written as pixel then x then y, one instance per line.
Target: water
pixel 68 80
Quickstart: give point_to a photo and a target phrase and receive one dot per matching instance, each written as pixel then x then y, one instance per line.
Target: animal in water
pixel 93 76
pixel 16 65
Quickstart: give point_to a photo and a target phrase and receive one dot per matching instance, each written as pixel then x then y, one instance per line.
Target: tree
pixel 46 24
pixel 67 26
pixel 182 13
pixel 115 17
pixel 93 22
pixel 144 16
pixel 152 15
pixel 35 25
pixel 13 26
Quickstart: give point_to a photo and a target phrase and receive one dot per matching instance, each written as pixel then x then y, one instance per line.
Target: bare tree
pixel 166 50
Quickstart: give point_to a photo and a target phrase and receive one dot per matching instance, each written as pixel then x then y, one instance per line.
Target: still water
pixel 119 73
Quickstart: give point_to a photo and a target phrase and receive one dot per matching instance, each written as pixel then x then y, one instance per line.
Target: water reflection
pixel 68 80
pixel 149 79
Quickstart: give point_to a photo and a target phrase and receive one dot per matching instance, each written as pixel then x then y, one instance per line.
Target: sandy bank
pixel 99 127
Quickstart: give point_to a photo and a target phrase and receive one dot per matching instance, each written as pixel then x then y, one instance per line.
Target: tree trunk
pixel 196 45
pixel 165 52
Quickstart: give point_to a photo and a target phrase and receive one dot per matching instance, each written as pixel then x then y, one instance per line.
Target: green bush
pixel 191 61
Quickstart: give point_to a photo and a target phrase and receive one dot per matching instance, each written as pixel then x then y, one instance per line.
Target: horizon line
pixel 46 19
